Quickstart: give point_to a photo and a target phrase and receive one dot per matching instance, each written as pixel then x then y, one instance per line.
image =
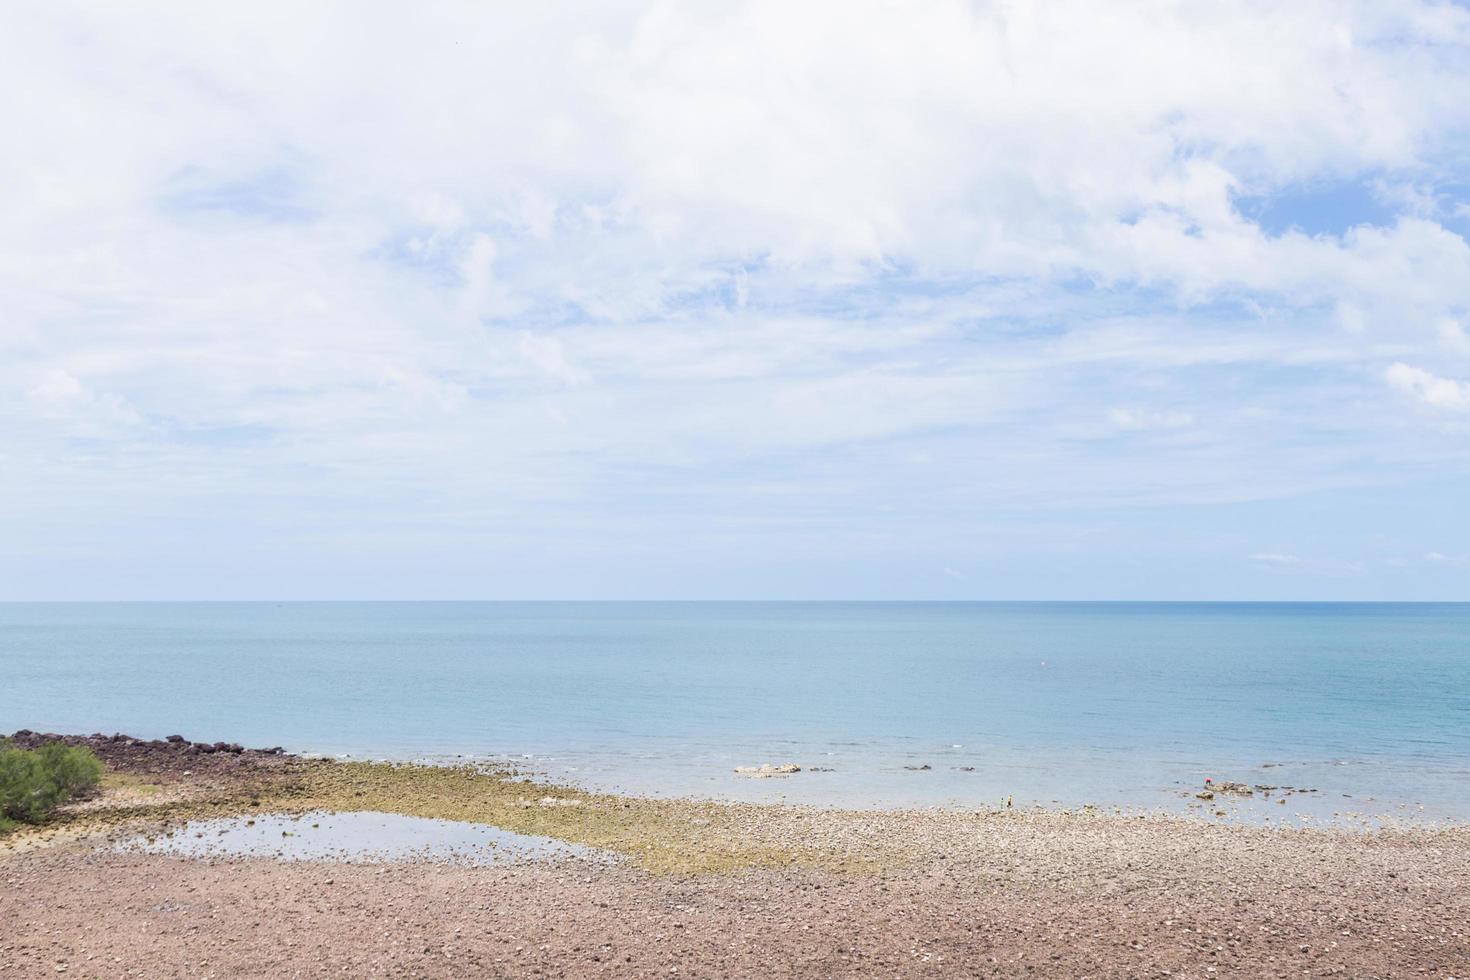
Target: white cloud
pixel 1453 336
pixel 56 387
pixel 1275 558
pixel 548 354
pixel 1330 567
pixel 1134 419
pixel 1432 390
pixel 897 260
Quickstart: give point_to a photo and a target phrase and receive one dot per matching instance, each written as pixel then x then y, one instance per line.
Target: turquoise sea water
pixel 1069 703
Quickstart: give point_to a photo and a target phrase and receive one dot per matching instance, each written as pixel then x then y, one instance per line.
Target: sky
pixel 945 300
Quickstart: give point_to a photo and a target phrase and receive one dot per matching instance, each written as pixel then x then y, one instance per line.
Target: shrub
pixel 33 782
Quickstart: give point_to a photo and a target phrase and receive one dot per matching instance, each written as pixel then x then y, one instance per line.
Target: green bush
pixel 33 782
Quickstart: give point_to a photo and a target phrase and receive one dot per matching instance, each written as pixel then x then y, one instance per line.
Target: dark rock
pixel 922 768
pixel 176 739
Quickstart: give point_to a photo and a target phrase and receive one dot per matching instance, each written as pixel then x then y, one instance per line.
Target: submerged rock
pixel 1235 789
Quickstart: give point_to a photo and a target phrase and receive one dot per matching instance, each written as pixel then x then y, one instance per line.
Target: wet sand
pixel 715 890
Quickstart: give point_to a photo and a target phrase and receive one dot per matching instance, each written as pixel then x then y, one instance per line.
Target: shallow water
pixel 1128 704
pixel 358 837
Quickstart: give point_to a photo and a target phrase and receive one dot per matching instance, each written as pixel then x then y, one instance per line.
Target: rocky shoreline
pixel 157 754
pixel 708 889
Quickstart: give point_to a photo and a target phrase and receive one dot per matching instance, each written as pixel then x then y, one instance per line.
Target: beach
pixel 701 888
pixel 735 490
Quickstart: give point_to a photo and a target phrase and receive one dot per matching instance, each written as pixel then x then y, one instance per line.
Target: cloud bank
pixel 964 300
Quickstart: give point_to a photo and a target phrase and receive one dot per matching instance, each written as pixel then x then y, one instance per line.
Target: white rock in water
pixel 767 770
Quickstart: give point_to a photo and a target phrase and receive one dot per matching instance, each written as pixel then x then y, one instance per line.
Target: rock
pixel 1204 795
pixel 922 768
pixel 767 770
pixel 176 739
pixel 1235 789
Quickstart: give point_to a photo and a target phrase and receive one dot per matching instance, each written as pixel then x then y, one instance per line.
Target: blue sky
pixel 963 300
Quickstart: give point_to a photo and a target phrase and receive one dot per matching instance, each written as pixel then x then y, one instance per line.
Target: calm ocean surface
pixel 1070 703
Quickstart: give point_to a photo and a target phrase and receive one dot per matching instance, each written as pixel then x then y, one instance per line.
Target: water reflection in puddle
pixel 365 837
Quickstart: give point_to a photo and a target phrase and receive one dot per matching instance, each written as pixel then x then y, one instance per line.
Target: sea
pixel 1357 713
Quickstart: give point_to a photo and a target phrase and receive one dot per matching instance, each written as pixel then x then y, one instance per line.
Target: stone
pixel 767 770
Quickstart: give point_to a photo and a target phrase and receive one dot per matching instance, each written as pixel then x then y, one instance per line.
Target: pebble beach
pixel 681 887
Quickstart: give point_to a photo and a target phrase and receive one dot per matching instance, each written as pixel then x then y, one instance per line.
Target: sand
pixel 708 890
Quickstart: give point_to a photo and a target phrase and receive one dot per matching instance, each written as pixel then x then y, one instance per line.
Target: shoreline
pixel 204 764
pixel 711 889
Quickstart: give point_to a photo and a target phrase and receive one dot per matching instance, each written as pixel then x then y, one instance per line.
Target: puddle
pixel 365 837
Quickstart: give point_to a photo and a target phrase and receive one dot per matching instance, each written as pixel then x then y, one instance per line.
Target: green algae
pixel 667 836
pixel 660 836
